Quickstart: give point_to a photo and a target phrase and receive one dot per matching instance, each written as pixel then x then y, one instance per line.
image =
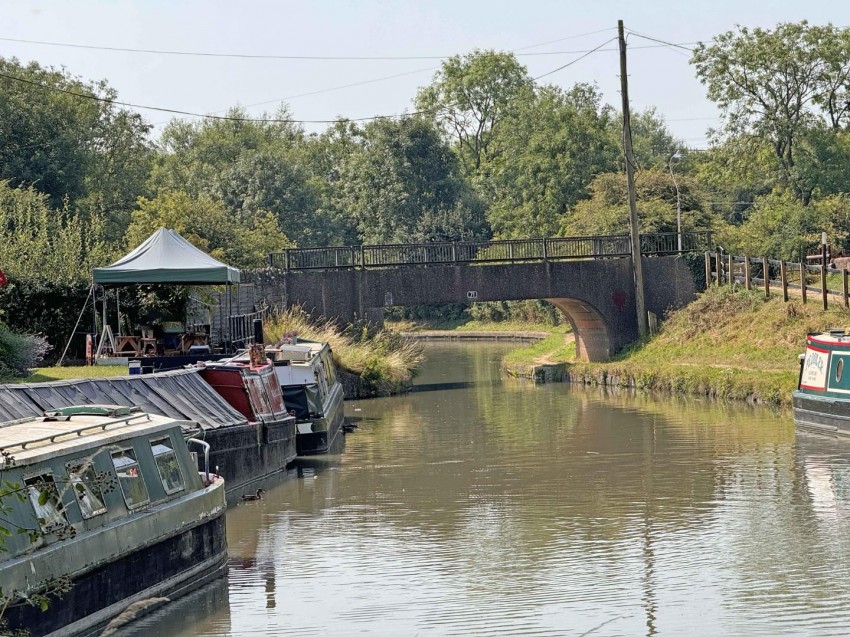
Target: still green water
pixel 483 506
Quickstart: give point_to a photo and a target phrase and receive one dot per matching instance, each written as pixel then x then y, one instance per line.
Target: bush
pixel 20 352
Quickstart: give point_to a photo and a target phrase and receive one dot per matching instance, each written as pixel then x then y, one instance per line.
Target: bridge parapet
pixel 483 252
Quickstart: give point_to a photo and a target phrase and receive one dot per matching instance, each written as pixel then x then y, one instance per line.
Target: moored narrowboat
pixel 266 444
pixel 312 393
pixel 117 512
pixel 822 399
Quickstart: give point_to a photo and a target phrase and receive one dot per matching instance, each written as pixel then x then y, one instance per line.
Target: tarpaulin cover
pixel 180 394
pixel 166 257
pixel 304 400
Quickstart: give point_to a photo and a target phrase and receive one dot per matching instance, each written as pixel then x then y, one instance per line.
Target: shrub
pixel 20 352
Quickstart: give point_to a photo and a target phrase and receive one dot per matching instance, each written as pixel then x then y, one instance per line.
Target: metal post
pixel 803 277
pixel 747 280
pixel 707 269
pixel 678 201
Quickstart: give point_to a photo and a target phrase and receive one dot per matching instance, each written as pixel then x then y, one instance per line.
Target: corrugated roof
pixel 180 394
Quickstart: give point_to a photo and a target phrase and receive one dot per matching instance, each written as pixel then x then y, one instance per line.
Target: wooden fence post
pixel 707 269
pixel 783 277
pixel 747 280
pixel 765 266
pixel 731 272
pixel 803 277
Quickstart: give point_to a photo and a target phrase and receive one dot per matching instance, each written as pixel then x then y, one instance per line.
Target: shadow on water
pixel 209 605
pixel 444 386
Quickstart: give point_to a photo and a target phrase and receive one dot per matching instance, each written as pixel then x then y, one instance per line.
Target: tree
pixel 248 166
pixel 607 210
pixel 86 154
pixel 243 242
pixel 775 84
pixel 404 185
pixel 43 245
pixel 548 149
pixel 470 96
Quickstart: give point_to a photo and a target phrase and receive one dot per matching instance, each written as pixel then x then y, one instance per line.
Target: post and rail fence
pixel 480 252
pixel 786 277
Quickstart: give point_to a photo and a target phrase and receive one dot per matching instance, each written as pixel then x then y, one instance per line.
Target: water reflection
pixel 483 506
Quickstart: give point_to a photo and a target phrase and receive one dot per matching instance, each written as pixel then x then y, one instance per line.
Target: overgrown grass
pixel 728 343
pixel 381 358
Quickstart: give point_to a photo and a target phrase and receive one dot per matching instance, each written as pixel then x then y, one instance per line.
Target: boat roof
pixel 835 338
pixel 179 394
pixel 65 432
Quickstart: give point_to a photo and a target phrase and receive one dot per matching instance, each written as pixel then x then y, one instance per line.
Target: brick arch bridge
pixel 588 278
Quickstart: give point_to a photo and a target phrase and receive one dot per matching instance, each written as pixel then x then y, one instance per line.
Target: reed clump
pixel 385 362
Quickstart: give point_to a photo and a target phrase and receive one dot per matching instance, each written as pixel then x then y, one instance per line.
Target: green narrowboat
pixel 822 400
pixel 112 510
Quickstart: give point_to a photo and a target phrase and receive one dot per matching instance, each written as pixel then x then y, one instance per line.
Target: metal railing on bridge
pixel 507 251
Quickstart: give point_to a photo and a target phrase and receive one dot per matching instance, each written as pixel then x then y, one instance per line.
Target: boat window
pixel 839 370
pixel 166 464
pixel 87 489
pixel 130 478
pixel 45 500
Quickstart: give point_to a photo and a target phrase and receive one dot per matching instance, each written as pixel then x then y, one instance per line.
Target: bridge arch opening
pixel 593 341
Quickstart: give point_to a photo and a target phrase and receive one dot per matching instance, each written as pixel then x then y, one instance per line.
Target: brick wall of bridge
pixel 596 295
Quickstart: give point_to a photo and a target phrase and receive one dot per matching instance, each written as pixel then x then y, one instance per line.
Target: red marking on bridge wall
pixel 619 298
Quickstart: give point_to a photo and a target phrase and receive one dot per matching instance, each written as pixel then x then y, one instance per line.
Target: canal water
pixel 485 506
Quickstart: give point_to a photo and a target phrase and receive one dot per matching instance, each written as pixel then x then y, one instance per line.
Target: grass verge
pixel 728 344
pixel 46 374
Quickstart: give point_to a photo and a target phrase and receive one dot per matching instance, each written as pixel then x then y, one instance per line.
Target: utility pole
pixel 634 233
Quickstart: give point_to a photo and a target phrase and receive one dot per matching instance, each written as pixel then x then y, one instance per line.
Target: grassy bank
pixel 383 361
pixel 728 344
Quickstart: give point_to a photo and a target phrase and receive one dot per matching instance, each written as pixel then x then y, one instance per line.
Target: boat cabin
pixel 82 467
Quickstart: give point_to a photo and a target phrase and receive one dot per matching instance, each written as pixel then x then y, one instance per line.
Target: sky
pixel 319 89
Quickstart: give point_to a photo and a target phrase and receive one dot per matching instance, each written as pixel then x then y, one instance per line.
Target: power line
pixel 174 111
pixel 360 58
pixel 570 63
pixel 664 42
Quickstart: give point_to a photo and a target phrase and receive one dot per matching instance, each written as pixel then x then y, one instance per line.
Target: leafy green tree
pixel 404 185
pixel 548 149
pixel 775 84
pixel 470 96
pixel 83 153
pixel 607 210
pixel 248 166
pixel 243 242
pixel 42 245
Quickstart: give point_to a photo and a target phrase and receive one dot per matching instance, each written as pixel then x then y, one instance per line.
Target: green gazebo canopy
pixel 166 257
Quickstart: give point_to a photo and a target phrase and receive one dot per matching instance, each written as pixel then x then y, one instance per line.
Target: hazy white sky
pixel 660 77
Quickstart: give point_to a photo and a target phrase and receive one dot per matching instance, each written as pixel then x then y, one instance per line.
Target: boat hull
pixel 168 564
pixel 245 454
pixel 324 430
pixel 822 414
